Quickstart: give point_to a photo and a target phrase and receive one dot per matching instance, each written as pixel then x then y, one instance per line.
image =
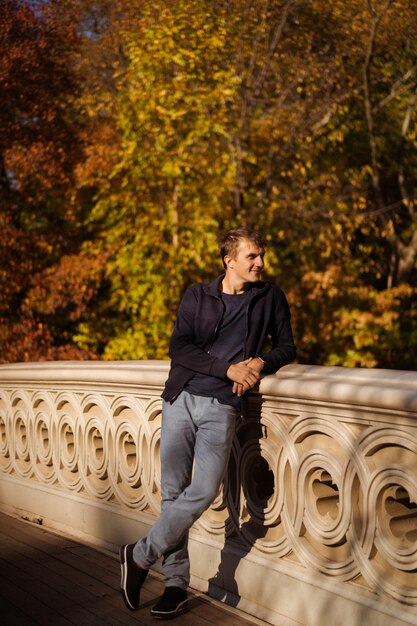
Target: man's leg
pixel 210 434
pixel 215 424
pixel 177 453
pixel 177 456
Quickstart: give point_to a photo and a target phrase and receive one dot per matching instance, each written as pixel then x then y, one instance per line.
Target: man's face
pixel 248 262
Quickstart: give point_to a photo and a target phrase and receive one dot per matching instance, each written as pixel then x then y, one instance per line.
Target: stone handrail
pixel 316 522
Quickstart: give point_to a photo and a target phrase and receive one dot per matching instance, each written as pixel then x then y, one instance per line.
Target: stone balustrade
pixel 316 522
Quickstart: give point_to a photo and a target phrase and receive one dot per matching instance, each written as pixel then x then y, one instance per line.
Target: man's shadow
pixel 248 487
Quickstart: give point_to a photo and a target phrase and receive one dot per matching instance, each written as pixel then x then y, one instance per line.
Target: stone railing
pixel 317 520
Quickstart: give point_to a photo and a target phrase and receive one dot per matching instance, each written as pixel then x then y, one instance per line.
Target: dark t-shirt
pixel 228 346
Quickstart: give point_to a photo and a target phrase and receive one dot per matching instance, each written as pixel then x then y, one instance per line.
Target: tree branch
pixel 399 88
pixel 407 200
pixel 272 48
pixel 392 237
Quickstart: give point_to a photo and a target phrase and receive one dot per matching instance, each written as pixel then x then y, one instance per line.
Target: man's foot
pixel 172 603
pixel 133 577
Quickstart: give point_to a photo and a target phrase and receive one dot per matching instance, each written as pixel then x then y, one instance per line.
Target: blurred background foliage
pixel 133 133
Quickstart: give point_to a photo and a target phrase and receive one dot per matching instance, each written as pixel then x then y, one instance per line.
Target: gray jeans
pixel 196 439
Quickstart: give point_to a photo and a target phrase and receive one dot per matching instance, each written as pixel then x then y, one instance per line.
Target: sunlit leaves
pixel 167 122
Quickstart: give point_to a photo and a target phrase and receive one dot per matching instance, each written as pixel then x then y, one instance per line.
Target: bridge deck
pixel 53 580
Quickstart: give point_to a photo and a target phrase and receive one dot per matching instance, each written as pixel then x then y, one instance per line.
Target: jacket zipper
pixel 216 328
pixel 247 324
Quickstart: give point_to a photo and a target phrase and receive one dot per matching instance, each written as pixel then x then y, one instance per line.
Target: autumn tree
pixel 364 299
pixel 39 147
pixel 228 112
pixel 192 117
pixel 168 173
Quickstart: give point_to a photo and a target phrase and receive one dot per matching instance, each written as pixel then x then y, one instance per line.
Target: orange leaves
pixel 101 155
pixel 329 284
pixel 39 145
pixel 36 164
pixel 68 286
pixel 342 322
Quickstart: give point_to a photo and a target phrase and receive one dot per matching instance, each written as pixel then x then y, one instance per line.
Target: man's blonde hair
pixel 229 243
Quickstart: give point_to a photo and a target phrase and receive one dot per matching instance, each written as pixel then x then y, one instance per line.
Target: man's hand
pixel 244 375
pixel 256 365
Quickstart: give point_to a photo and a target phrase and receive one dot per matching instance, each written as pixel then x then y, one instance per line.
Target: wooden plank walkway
pixel 53 580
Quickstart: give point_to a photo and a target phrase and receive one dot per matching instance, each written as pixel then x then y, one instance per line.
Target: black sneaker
pixel 172 603
pixel 133 577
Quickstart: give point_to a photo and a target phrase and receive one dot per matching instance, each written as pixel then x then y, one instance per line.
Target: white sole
pixel 167 614
pixel 123 567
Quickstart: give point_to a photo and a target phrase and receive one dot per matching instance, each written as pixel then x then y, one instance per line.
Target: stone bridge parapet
pixel 316 522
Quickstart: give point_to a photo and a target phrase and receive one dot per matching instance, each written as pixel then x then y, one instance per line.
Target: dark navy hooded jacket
pixel 268 333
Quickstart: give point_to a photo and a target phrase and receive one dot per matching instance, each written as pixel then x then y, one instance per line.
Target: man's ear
pixel 228 261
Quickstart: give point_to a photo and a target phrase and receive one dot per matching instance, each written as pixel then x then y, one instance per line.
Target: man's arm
pixel 183 348
pixel 283 349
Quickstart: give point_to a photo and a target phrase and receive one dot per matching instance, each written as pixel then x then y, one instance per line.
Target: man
pixel 218 352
